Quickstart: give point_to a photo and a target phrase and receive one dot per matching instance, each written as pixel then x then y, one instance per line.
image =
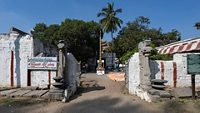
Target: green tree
pixel 79 36
pixel 110 22
pixel 51 34
pixel 38 30
pixel 138 30
pixel 197 25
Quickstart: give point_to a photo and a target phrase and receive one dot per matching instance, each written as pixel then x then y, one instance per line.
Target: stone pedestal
pixel 100 68
pixel 57 92
pixel 100 71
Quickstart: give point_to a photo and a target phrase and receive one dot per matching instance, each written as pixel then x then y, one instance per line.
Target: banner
pixel 42 63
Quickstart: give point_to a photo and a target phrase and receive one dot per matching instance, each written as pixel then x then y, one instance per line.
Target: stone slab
pixel 3 89
pixel 155 98
pixel 7 92
pixel 18 93
pixel 160 93
pixel 56 96
pixel 35 93
pixel 158 86
pixel 158 81
pixel 154 92
pixel 182 92
pixel 165 94
pixel 29 88
pixel 56 91
pixel 45 96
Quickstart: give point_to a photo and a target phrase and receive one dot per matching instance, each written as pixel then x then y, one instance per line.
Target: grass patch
pixel 197 104
pixel 124 89
pixel 179 106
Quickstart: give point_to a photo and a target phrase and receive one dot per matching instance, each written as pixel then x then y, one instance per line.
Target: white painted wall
pixel 183 79
pixel 22 49
pixel 25 50
pixel 133 79
pixel 5 52
pixel 41 78
pixel 23 46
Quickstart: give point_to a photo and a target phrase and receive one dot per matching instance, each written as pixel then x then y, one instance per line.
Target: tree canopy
pixel 80 37
pixel 138 30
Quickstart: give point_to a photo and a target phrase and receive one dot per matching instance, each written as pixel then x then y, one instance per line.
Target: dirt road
pixel 98 94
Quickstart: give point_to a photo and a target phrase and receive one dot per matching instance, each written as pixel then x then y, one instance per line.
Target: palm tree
pixel 109 21
pixel 197 25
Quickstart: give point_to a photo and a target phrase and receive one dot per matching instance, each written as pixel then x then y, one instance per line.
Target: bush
pixel 127 55
pixel 154 55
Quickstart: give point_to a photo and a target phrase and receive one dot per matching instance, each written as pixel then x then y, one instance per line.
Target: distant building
pixel 109 61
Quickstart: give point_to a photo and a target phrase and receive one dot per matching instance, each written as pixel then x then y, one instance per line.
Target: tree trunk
pixel 112 51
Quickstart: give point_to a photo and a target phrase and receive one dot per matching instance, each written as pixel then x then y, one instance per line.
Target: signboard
pixel 42 63
pixel 193 64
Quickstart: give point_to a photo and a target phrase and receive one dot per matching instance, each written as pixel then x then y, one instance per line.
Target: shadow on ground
pixel 181 106
pixel 86 86
pixel 107 105
pixel 14 105
pixel 89 85
pixel 174 107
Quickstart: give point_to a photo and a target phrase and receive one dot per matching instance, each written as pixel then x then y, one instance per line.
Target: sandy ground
pixel 116 76
pixel 98 94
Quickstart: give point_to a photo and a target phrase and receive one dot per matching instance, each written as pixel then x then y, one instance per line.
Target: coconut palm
pixel 110 22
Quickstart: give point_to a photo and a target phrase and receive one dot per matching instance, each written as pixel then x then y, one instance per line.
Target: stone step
pixel 58 78
pixel 161 87
pixel 183 92
pixel 58 84
pixel 7 92
pixel 45 96
pixel 56 91
pixel 154 91
pixel 165 94
pixel 158 81
pixel 161 93
pixel 19 93
pixel 29 88
pixel 36 93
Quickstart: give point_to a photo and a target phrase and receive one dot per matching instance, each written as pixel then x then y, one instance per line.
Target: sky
pixel 167 14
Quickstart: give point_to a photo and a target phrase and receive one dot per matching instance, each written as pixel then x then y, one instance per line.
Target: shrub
pixel 154 55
